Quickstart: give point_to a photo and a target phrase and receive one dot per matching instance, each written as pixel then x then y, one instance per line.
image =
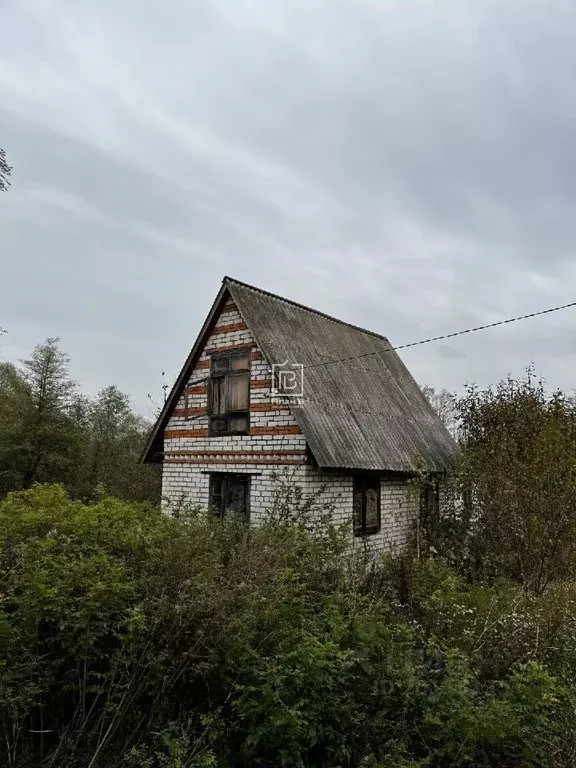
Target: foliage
pixel 514 492
pixel 132 638
pixel 113 448
pixel 445 403
pixel 49 436
pixel 51 433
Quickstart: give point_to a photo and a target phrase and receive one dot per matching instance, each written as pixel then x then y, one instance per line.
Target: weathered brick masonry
pixel 275 442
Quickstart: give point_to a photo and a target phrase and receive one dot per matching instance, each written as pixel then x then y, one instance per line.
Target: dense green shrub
pixel 510 506
pixel 129 638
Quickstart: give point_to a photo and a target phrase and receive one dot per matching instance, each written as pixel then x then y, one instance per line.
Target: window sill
pixel 367 532
pixel 228 434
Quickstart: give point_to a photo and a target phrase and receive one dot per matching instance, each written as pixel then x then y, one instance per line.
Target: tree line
pixel 50 432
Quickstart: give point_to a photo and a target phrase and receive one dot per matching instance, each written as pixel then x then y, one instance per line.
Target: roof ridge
pixel 228 279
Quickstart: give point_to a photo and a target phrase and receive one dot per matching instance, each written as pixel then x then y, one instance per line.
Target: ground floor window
pixel 229 495
pixel 366 504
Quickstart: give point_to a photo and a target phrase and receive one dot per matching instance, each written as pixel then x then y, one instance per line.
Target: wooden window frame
pixel 226 376
pixel 225 478
pixel 361 484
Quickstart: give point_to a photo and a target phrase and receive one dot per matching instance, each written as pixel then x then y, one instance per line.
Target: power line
pixel 445 336
pixel 415 344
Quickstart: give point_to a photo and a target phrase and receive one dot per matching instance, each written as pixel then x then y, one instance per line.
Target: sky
pixel 406 165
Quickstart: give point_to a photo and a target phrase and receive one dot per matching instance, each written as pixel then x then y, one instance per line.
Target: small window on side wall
pixel 230 496
pixel 366 504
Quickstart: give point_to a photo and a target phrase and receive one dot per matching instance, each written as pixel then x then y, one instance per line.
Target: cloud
pixel 408 166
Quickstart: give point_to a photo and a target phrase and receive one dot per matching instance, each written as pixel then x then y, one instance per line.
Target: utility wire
pixel 445 336
pixel 411 344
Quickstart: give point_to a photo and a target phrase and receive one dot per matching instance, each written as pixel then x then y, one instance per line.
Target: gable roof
pixel 361 408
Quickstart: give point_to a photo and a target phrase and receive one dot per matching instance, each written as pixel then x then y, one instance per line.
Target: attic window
pixel 229 394
pixel 366 504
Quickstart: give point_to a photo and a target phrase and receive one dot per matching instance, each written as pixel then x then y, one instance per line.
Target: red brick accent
pixel 254 408
pixel 288 429
pixel 189 411
pixel 229 328
pixel 265 407
pixel 280 430
pixel 260 383
pixel 231 348
pixel 203 364
pixel 257 355
pixel 227 461
pixel 271 452
pixel 200 389
pixel 176 433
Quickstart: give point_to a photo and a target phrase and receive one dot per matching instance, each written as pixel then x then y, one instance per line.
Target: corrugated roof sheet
pixel 361 413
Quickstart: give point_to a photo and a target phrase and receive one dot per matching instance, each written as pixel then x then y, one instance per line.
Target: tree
pixel 518 472
pixel 51 436
pixel 39 436
pixel 116 437
pixel 444 403
pixel 5 171
pixel 14 401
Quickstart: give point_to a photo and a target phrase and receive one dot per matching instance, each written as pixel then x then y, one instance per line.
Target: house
pixel 272 384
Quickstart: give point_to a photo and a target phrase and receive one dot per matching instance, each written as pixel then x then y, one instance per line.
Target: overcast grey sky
pixel 408 166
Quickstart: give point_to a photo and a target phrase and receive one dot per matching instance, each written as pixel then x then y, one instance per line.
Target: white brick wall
pixel 190 457
pixel 399 510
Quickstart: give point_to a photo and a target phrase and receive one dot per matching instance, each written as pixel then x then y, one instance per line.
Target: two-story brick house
pixel 360 428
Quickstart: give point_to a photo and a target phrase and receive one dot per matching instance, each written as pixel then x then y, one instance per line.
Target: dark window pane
pixel 238 392
pixel 216 489
pixel 238 424
pixel 220 364
pixel 219 425
pixel 357 509
pixel 371 514
pixel 366 504
pixel 236 497
pixel 240 362
pixel 229 495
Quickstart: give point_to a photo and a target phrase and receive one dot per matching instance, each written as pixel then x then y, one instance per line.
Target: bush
pixel 130 638
pixel 509 506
